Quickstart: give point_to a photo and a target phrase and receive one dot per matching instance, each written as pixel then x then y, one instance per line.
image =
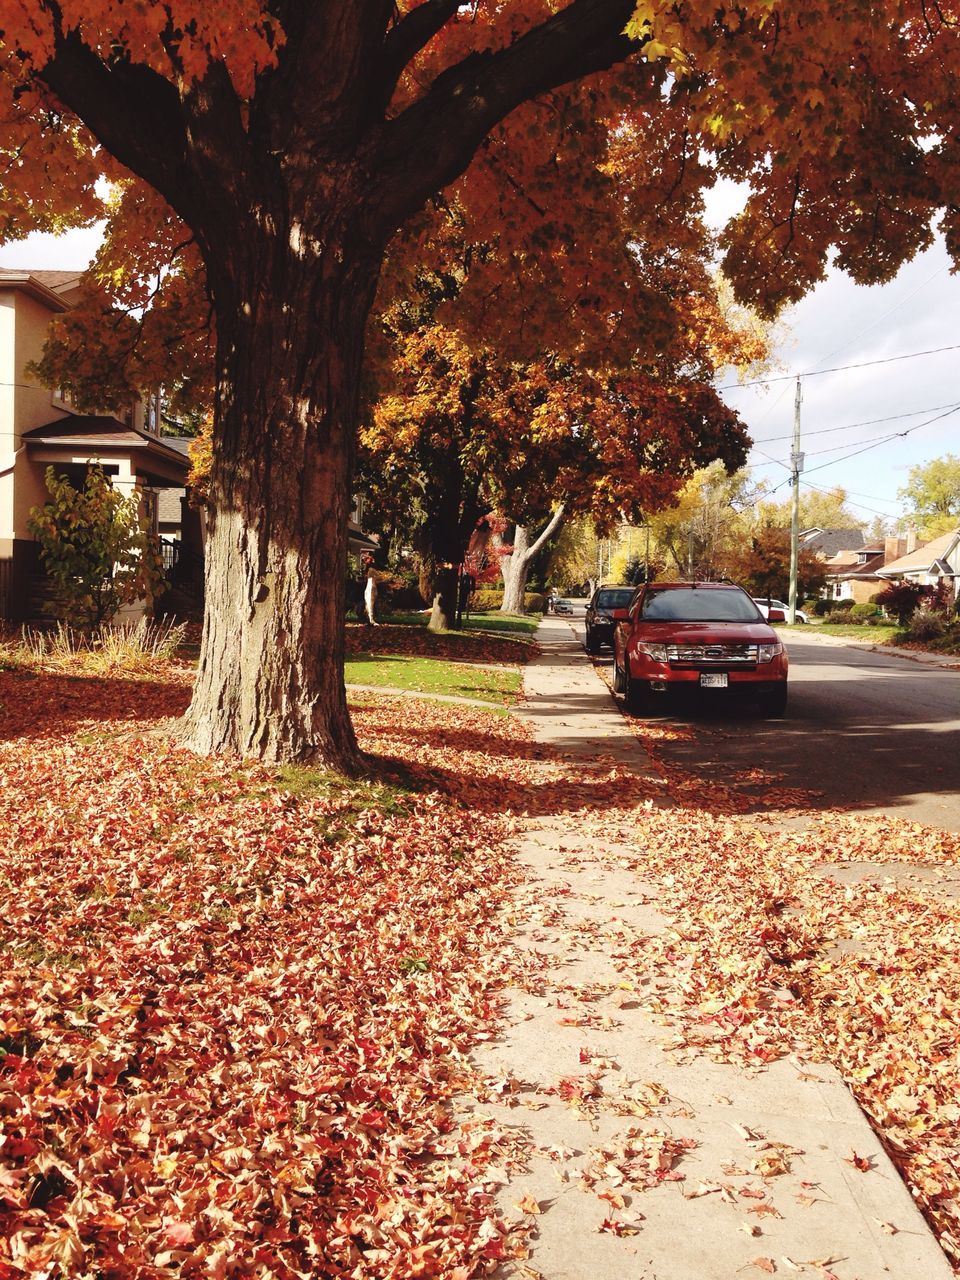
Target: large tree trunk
pixel 516 567
pixel 270 680
pixel 443 613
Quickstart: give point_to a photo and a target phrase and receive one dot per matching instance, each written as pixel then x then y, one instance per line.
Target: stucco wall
pixel 34 404
pixel 8 437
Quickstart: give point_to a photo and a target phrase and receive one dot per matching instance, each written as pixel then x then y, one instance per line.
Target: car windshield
pixel 698 604
pixel 615 598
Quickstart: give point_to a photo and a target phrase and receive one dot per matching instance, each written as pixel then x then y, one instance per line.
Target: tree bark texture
pixel 516 567
pixel 270 681
pixel 454 509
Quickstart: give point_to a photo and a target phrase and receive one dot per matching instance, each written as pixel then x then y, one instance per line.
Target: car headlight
pixel 767 652
pixel 658 652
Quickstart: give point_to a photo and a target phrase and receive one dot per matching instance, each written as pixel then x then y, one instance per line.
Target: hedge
pixel 486 599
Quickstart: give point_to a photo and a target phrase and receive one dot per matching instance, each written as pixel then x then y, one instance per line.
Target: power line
pixel 883 316
pixel 869 422
pixel 896 436
pixel 867 445
pixel 885 515
pixel 839 368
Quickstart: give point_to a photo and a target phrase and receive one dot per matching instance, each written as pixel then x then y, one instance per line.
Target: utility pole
pixel 796 464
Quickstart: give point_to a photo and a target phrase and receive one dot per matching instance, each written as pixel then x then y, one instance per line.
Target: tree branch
pixel 135 113
pixel 547 532
pixel 402 44
pixel 431 143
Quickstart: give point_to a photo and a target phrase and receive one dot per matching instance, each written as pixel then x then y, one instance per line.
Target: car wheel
pixel 593 644
pixel 619 678
pixel 637 695
pixel 774 704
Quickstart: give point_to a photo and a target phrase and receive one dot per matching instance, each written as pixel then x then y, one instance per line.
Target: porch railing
pixel 183 567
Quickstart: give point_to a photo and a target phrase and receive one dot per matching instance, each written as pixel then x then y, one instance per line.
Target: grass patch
pixel 512 624
pixel 143 648
pixel 883 633
pixel 434 675
pixel 520 626
pixel 307 783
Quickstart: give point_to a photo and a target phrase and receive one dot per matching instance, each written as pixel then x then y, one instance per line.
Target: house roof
pixel 924 557
pixel 169 510
pixel 358 541
pixel 866 570
pixel 58 281
pixel 827 542
pixel 39 285
pixel 98 433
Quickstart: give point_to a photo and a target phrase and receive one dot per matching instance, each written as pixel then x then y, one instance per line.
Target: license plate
pixel 713 680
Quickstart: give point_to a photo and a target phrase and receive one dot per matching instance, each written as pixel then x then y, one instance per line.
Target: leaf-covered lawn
pixel 234 1001
pixel 418 642
pixel 432 675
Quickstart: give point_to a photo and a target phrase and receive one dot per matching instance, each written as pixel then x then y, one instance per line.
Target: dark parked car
pixel 707 636
pixel 608 607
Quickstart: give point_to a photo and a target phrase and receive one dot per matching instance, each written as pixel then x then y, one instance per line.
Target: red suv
pixel 708 636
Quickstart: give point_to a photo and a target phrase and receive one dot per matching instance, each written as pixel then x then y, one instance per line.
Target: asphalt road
pixel 872 731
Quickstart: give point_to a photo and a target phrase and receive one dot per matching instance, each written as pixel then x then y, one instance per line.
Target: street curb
pixel 945 662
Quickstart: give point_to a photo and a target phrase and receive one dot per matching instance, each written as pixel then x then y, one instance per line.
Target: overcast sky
pixel 839 323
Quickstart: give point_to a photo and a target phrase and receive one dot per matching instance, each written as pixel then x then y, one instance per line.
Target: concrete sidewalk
pixel 594 1186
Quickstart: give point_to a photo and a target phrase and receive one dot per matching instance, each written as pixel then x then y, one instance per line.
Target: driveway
pixel 872 732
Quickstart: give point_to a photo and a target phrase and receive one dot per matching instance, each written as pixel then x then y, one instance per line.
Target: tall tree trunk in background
pixel 454 507
pixel 516 567
pixel 270 681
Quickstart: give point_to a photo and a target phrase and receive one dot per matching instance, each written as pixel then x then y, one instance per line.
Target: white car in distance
pixel 766 605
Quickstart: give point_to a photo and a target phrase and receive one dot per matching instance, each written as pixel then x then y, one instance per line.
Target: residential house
pixel 827 543
pixel 40 427
pixel 852 574
pixel 934 562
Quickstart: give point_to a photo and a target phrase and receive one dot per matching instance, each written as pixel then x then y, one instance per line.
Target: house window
pixel 862 557
pixel 76 472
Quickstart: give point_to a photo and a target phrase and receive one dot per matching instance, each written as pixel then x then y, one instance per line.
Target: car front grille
pixel 700 653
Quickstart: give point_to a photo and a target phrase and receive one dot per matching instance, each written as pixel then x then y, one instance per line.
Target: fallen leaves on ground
pixel 232 1010
pixel 235 1011
pixel 418 642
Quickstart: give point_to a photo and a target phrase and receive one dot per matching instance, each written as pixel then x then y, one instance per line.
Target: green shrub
pixel 486 598
pixel 860 612
pixel 926 625
pixel 96 548
pixel 822 607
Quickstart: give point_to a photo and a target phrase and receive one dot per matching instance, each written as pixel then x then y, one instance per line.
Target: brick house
pixel 930 564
